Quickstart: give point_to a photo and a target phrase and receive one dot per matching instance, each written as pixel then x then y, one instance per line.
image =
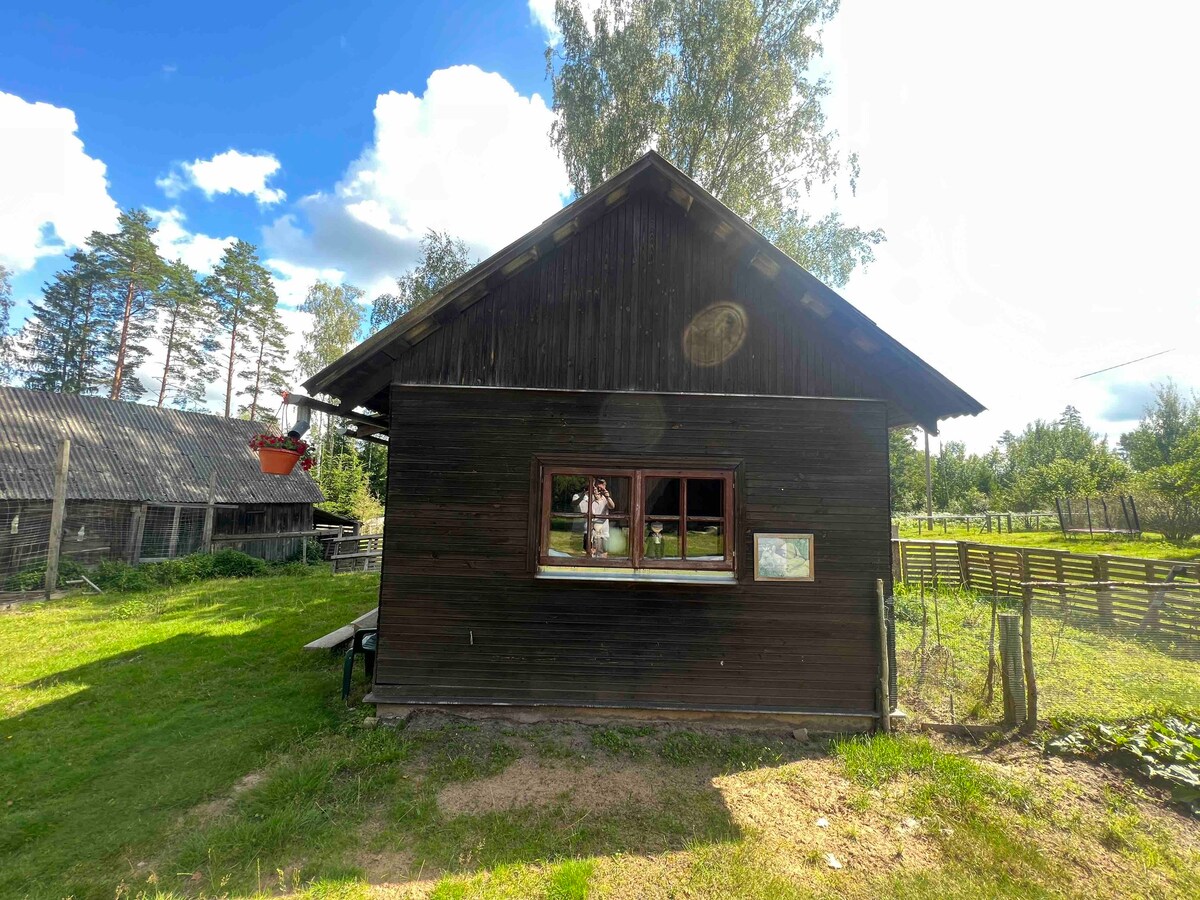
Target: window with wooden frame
pixel 650 520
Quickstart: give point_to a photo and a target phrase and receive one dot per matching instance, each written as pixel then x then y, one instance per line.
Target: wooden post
pixel 885 703
pixel 897 572
pixel 57 515
pixel 1031 694
pixel 964 562
pixel 928 483
pixel 173 544
pixel 1103 594
pixel 209 512
pixel 1012 678
pixel 137 515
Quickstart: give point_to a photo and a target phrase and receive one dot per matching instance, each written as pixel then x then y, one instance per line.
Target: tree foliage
pixel 241 289
pixel 128 273
pixel 266 375
pixel 61 347
pixel 189 366
pixel 1165 452
pixel 443 260
pixel 722 89
pixel 6 303
pixel 336 322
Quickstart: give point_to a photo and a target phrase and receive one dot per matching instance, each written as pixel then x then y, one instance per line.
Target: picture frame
pixel 783 556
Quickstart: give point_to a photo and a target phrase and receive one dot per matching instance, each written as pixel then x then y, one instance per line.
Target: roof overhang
pixel 917 393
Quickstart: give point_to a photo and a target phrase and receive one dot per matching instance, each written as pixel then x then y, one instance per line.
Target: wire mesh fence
pixel 1091 658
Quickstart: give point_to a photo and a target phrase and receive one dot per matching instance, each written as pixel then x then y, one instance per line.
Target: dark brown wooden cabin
pixel 647 336
pixel 137 483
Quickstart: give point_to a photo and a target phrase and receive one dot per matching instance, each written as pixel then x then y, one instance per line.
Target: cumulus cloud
pixel 470 156
pixel 175 241
pixel 231 172
pixel 52 194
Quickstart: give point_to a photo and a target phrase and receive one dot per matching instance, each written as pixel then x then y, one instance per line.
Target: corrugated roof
pixel 129 451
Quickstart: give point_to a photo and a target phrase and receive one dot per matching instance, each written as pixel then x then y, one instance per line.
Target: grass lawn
pixel 180 744
pixel 1083 671
pixel 1147 546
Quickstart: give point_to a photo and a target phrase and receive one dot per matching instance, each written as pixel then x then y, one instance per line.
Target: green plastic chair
pixel 365 641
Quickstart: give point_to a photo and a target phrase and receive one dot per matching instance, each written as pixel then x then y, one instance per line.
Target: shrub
pixel 233 564
pixel 114 575
pixel 34 577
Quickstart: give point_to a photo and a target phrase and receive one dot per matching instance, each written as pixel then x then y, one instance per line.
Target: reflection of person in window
pixel 602 503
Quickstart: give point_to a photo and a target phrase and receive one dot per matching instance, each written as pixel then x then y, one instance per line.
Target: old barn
pixel 137 484
pixel 639 461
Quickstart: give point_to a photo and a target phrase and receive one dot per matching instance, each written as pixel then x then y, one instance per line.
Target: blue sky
pixel 1034 171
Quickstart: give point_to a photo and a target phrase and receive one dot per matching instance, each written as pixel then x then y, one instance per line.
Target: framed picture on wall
pixel 783 557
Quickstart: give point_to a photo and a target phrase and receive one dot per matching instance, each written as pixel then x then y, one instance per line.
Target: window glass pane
pixel 705 540
pixel 566 493
pixel 705 497
pixel 662 497
pixel 567 536
pixel 662 540
pixel 609 538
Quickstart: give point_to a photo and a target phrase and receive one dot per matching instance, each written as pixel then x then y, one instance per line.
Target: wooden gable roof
pixel 876 364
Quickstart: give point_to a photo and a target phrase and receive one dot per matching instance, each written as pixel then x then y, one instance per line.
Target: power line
pixel 1120 365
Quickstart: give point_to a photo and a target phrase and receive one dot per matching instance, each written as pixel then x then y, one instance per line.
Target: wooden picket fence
pixel 1122 591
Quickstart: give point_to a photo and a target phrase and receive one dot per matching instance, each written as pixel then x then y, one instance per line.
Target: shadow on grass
pixel 132 772
pixel 94 781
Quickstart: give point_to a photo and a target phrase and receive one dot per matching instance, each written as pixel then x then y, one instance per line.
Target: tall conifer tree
pixel 62 345
pixel 186 331
pixel 5 320
pixel 129 274
pixel 240 287
pixel 265 377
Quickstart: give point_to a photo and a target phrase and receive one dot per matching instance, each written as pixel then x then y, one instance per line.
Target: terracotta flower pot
pixel 277 462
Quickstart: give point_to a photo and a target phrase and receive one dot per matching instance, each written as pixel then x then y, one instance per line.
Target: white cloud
pixel 52 194
pixel 231 172
pixel 471 156
pixel 174 241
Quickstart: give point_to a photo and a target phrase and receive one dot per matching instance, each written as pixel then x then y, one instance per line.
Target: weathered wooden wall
pixel 464 619
pixel 608 310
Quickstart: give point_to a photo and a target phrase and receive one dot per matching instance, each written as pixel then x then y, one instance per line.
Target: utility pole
pixel 928 483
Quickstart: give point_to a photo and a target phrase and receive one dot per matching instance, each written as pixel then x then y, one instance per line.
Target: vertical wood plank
pixel 58 511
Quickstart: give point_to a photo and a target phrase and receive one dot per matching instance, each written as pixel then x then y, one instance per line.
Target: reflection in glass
pixel 705 497
pixel 705 541
pixel 662 540
pixel 566 492
pixel 662 496
pixel 566 536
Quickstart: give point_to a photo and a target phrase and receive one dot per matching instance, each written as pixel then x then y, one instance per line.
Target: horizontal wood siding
pixel 608 309
pixel 464 620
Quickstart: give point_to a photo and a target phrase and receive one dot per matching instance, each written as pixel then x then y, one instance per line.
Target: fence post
pixel 57 515
pixel 964 571
pixel 209 511
pixel 1103 594
pixel 885 703
pixel 897 572
pixel 1031 692
pixel 1012 676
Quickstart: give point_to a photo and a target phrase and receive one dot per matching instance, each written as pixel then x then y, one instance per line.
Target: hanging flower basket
pixel 279 455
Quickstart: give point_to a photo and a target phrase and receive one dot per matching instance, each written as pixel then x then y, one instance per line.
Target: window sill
pixel 653 576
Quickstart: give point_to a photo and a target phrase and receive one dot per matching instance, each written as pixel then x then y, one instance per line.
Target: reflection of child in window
pixel 654 543
pixel 602 502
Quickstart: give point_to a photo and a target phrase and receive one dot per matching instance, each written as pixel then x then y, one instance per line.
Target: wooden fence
pixel 354 553
pixel 1122 591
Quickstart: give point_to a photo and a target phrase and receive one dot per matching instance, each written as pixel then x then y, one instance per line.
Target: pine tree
pixel 62 345
pixel 266 346
pixel 240 286
pixel 129 273
pixel 5 319
pixel 186 330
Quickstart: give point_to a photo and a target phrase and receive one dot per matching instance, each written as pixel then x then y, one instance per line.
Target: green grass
pixel 1083 671
pixel 1147 546
pixel 130 725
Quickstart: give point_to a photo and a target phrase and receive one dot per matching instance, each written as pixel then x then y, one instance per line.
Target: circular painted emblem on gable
pixel 715 334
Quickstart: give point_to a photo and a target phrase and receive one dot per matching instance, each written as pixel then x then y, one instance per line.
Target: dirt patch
pixel 213 809
pixel 807 810
pixel 528 782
